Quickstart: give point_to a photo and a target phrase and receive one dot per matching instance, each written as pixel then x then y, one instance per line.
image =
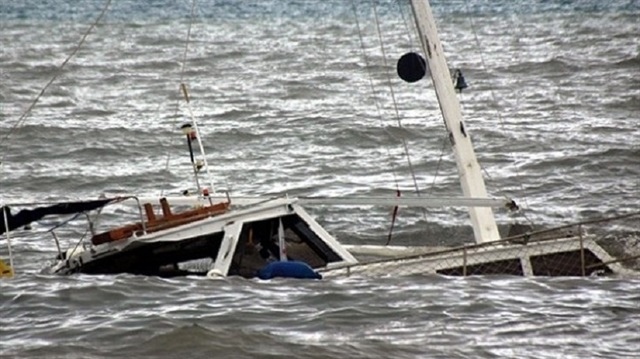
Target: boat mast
pixel 482 219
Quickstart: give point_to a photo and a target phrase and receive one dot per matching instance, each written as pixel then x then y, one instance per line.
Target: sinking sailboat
pixel 221 236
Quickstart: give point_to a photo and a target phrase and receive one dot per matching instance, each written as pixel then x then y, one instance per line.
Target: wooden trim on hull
pixel 154 224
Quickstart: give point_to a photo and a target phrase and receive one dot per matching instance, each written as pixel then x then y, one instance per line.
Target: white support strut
pixel 346 201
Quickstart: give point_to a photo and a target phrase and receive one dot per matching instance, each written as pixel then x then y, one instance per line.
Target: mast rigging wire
pixel 495 101
pixel 183 66
pixel 26 113
pixel 374 92
pixel 393 98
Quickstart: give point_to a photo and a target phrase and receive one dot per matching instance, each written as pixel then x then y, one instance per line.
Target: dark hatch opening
pixel 258 245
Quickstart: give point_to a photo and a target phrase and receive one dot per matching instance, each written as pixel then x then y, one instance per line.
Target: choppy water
pixel 283 97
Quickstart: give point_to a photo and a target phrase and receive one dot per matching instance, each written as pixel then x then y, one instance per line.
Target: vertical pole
pixel 281 242
pixel 464 261
pixel 7 237
pixel 582 268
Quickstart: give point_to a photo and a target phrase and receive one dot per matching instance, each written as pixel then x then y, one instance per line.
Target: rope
pixel 378 109
pixel 445 140
pixel 412 41
pixel 393 98
pixel 26 113
pixel 374 92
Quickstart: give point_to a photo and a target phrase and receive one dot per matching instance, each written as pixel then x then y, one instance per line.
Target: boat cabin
pixel 238 241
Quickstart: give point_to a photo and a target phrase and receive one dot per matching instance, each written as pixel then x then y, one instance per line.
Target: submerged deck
pixel 222 240
pixel 561 251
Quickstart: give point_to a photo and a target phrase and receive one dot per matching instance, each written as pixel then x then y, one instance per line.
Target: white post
pixel 281 242
pixel 483 222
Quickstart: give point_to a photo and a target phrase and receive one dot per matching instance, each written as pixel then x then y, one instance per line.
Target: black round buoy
pixel 411 67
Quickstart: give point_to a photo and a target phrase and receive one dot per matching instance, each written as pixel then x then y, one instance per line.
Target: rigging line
pixel 26 113
pixel 183 66
pixel 495 101
pixel 412 40
pixel 393 97
pixel 484 170
pixel 374 92
pixel 377 104
pixel 443 147
pixel 186 46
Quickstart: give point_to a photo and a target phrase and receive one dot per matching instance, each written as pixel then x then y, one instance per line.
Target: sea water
pixel 295 97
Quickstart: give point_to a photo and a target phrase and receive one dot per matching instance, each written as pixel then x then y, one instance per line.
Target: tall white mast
pixel 484 224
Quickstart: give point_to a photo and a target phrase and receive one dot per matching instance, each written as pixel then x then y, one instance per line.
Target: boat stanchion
pixel 205 193
pixel 7 272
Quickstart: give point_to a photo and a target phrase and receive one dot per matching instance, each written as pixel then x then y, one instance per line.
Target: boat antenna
pixel 196 133
pixel 187 129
